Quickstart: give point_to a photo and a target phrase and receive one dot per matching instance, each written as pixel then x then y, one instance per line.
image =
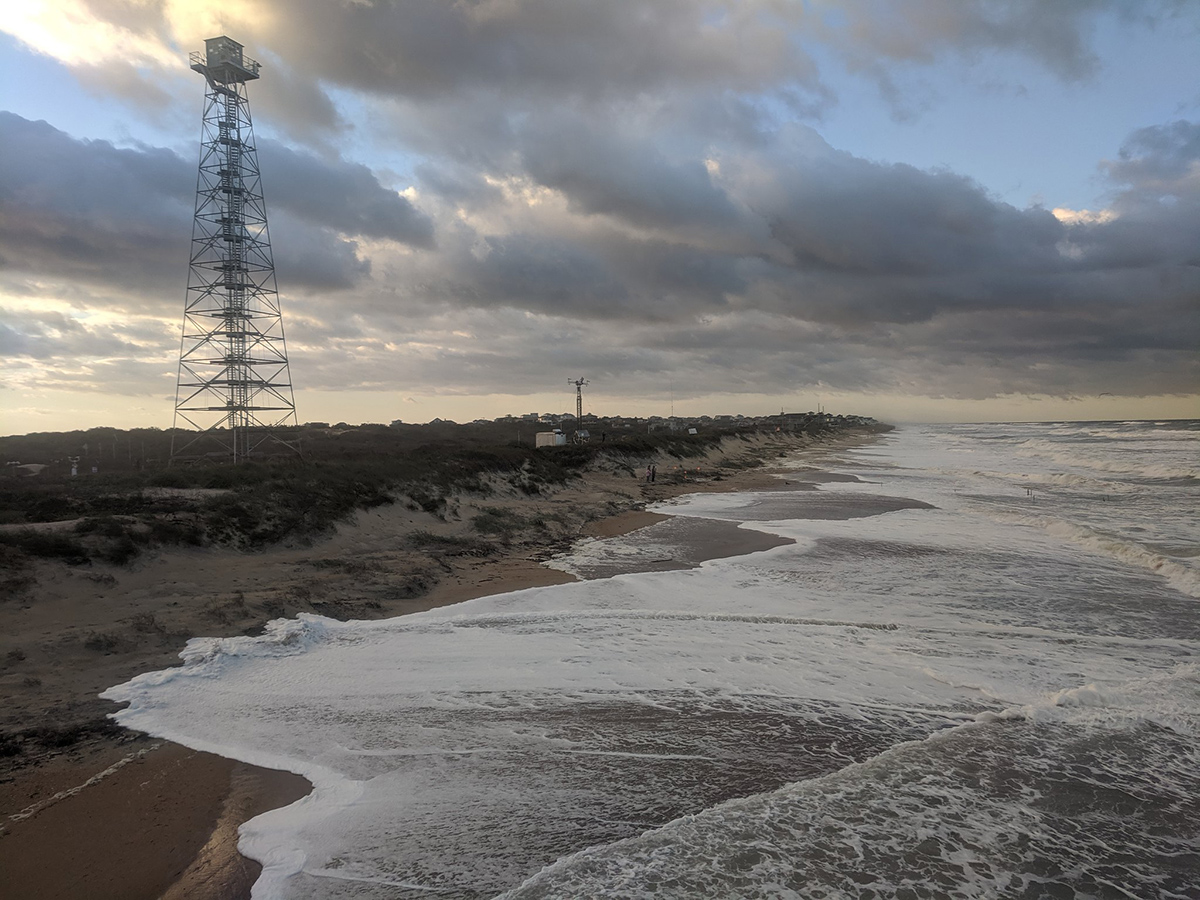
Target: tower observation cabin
pixel 222 61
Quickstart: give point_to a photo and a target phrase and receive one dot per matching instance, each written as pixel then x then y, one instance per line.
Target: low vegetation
pixel 42 738
pixel 450 545
pixel 505 523
pixel 127 499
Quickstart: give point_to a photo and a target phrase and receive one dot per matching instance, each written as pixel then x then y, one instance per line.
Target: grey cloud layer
pixel 341 196
pixel 894 277
pixel 428 48
pixel 620 188
pixel 531 51
pixel 816 267
pixel 120 217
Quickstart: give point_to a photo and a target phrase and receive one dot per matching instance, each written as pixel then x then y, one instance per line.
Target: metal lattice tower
pixel 579 383
pixel 234 387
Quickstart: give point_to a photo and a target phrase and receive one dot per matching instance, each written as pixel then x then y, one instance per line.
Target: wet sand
pixel 154 820
pixel 673 543
pixel 135 818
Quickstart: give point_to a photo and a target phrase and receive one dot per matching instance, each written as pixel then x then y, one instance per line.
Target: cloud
pixel 53 349
pixel 600 173
pixel 296 104
pixel 549 50
pixel 89 210
pixel 813 266
pixel 429 49
pixel 837 213
pixel 834 269
pixel 345 197
pixel 626 191
pixel 1155 207
pixel 121 217
pixel 1159 161
pixel 1083 216
pixel 1053 34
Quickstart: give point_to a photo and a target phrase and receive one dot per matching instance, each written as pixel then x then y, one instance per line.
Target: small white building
pixel 555 438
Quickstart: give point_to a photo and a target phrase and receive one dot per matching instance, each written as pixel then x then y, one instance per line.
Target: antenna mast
pixel 234 386
pixel 579 383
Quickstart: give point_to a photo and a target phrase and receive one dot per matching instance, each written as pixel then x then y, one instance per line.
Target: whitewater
pixel 973 672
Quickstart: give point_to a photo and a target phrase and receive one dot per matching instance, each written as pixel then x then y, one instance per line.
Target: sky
pixel 918 210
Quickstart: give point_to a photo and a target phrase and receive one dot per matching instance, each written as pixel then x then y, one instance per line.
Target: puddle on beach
pixel 677 543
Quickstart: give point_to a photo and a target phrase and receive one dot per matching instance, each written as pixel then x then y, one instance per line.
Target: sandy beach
pixel 87 809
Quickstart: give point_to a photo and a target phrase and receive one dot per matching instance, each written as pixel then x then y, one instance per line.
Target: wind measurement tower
pixel 234 391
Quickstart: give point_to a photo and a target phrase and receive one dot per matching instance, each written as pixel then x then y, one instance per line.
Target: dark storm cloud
pixel 1157 196
pixel 88 210
pixel 599 172
pixel 816 234
pixel 294 103
pixel 313 259
pixel 676 278
pixel 797 229
pixel 600 274
pixel 122 216
pixel 889 276
pixel 536 272
pixel 428 48
pixel 844 214
pixel 1159 157
pixel 346 197
pixel 867 273
pixel 458 184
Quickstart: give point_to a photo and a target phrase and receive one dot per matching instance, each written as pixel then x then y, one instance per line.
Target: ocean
pixel 974 672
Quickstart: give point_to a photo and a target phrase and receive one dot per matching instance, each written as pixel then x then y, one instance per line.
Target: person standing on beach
pixel 653 473
pixel 649 472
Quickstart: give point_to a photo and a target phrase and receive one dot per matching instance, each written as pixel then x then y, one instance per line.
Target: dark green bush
pixel 119 551
pixel 46 544
pixel 147 623
pixel 169 532
pixel 450 545
pixel 106 642
pixel 176 477
pixel 500 522
pixel 105 526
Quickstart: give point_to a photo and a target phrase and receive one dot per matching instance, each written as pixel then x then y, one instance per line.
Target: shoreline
pixel 129 784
